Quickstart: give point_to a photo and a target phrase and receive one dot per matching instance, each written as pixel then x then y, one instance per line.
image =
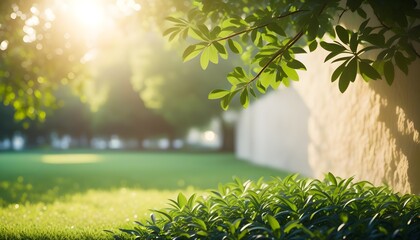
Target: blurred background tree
pixel 99 68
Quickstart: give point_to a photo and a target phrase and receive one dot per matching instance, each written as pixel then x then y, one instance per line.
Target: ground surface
pixel 76 195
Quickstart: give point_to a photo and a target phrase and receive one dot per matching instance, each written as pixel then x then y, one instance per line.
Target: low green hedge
pixel 289 208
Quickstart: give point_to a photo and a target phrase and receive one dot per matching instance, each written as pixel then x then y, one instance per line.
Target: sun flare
pixel 88 14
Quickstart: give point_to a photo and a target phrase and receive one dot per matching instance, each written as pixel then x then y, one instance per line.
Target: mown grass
pixel 76 195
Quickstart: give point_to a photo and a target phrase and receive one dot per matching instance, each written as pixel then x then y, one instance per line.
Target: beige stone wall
pixel 370 132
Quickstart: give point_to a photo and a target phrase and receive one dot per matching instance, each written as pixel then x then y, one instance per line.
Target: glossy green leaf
pixel 205 58
pixel 182 200
pixel 332 178
pixel 218 93
pixel 291 225
pixel 267 77
pixel 191 52
pixel 272 221
pixel 291 73
pixel 213 54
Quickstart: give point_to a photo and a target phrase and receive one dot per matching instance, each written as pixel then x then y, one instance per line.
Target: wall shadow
pixel 401 115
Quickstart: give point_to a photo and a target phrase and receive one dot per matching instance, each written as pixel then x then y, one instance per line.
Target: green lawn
pixel 76 195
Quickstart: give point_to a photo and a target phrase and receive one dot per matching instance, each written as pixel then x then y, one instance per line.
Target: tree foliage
pixel 43 46
pixel 174 90
pixel 269 34
pixel 37 54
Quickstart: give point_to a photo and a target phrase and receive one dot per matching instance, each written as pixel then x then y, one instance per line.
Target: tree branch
pixel 280 52
pixel 259 26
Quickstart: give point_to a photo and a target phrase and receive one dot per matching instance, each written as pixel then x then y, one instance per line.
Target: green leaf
pixel 361 12
pixel 244 98
pixel 220 48
pixel 203 29
pixel 295 64
pixel 389 72
pixel 291 225
pixel 363 25
pixel 353 42
pixel 375 39
pixel 224 103
pixel 348 75
pixel 182 200
pixel 170 30
pixel 354 4
pixel 218 93
pixel 332 47
pixel 272 221
pixel 234 46
pixel 260 87
pixel 176 20
pixel 251 90
pixel 201 223
pixel 401 62
pixel 367 70
pixel 190 53
pixel 291 73
pixel 337 72
pixel 312 29
pixel 331 55
pixel 267 77
pixel 313 45
pixel 342 34
pixel 215 32
pixel 297 50
pixel 213 54
pixel 332 178
pixel 197 34
pixel 205 58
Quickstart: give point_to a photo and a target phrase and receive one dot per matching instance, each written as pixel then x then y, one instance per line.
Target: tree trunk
pixel 228 137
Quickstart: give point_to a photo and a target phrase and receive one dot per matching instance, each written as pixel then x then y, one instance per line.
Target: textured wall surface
pixel 370 132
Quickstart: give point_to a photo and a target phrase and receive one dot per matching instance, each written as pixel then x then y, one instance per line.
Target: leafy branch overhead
pixel 269 34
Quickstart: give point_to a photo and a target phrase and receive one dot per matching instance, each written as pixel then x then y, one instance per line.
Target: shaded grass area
pixel 76 195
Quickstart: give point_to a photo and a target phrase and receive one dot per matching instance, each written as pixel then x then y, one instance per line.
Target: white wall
pixel 274 132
